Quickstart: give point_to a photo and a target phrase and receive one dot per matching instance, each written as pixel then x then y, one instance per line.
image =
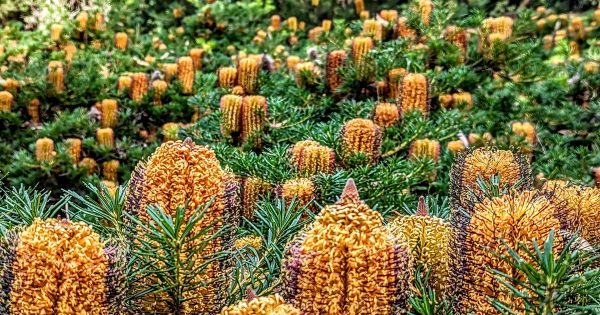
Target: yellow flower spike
pixel 292 61
pixel 238 90
pixel 276 21
pixel 415 93
pixel 70 51
pixel 292 23
pixel 456 146
pixel 55 32
pixel 253 189
pixel 248 69
pixel 88 164
pixel 169 131
pixel 255 305
pixel 56 76
pixel 361 136
pixel 326 25
pixel 373 29
pixel 359 6
pixel 196 55
pixel 386 115
pixel 227 77
pixel 124 83
pixel 231 114
pixel 6 101
pixel 186 74
pixel 177 13
pixel 501 25
pixel 111 187
pixel 302 189
pixel 121 40
pixel 525 130
pixel 110 170
pixel 394 78
pixel 99 21
pixel 463 98
pixel 33 109
pixel 74 149
pixel 446 100
pixel 105 137
pixel 311 158
pixel 82 20
pixel 44 150
pixel 402 30
pixel 139 86
pixel 425 9
pixel 170 71
pixel 254 116
pixel 109 113
pixel 364 15
pixel 315 34
pixel 314 3
pixel 159 87
pixel 390 16
pixel 360 48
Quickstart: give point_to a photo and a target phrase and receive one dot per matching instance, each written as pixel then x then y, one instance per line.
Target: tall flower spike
pixel 429 239
pixel 361 136
pixel 302 189
pixel 74 149
pixel 518 219
pixel 458 37
pixel 6 101
pixel 110 170
pixel 70 51
pixel 124 83
pixel 121 40
pixel 196 55
pixel 255 305
pixel 109 113
pixel 159 87
pixel 44 150
pixel 248 74
pixel 415 93
pixel 33 110
pixel 253 189
pixel 359 6
pixel 326 25
pixel 373 28
pixel 231 114
pixel 105 137
pixel 347 262
pixel 310 158
pixel 425 8
pixel 254 116
pixel 139 86
pixel 227 77
pixel 56 76
pixel 394 82
pixel 360 48
pixel 186 74
pixel 82 20
pixel 276 22
pixel 55 32
pixel 99 21
pixel 170 71
pixel 335 59
pixel 386 115
pixel 89 165
pixel 425 148
pixel 111 187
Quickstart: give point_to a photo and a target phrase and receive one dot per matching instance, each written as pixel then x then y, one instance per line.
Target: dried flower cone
pixel 74 149
pixel 44 150
pixel 159 87
pixel 169 131
pixel 360 48
pixel 415 93
pixel 196 55
pixel 254 116
pixel 269 305
pixel 55 32
pixel 347 262
pixel 248 74
pixel 170 71
pixel 80 274
pixel 109 113
pixel 33 110
pixel 227 77
pixel 361 136
pixel 428 239
pixel 516 219
pixel 121 40
pixel 231 114
pixel 186 74
pixel 335 60
pixel 56 76
pixel 6 101
pixel 253 189
pixel 124 83
pixel 395 82
pixel 110 170
pixel 139 86
pixel 311 158
pixel 105 137
pixel 386 115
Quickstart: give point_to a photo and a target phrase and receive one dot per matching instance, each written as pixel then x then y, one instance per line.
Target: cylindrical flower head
pixel 88 164
pixel 428 239
pixel 360 48
pixel 124 83
pixel 276 21
pixel 56 76
pixel 395 82
pixel 415 93
pixel 525 130
pixel 307 74
pixel 196 55
pixel 347 262
pixel 577 29
pixel 458 37
pixel 386 115
pixel 159 87
pixel 425 8
pixel 425 148
pixel 446 100
pixel 359 6
pixel 292 23
pixel 231 114
pixel 74 149
pixel 501 25
pixel 462 98
pixel 248 74
pixel 227 77
pixel 70 51
pixel 315 34
pixel 335 59
pixel 310 158
pixel 111 187
pixel 389 15
pixel 44 150
pixel 82 19
pixel 105 137
pixel 292 61
pixel 109 113
pixel 326 25
pixel 268 305
pixel 186 74
pixel 253 189
pixel 254 116
pixel 511 168
pixel 456 146
pixel 373 28
pixel 402 30
pixel 33 109
pixel 169 131
pixel 121 40
pixel 364 15
pixel 110 170
pixel 99 21
pixel 11 85
pixel 302 189
pixel 361 136
pixel 55 32
pixel 514 220
pixel 170 71
pixel 591 67
pixel 6 101
pixel 139 86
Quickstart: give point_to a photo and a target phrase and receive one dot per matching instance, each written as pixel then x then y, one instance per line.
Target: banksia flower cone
pixel 159 87
pixel 303 189
pixel 248 74
pixel 74 149
pixel 335 59
pixel 359 6
pixel 415 93
pixel 110 170
pixel 111 187
pixel 516 219
pixel 276 21
pixel 402 30
pixel 33 110
pixel 458 37
pixel 425 148
pixel 70 51
pixel 185 74
pixel 386 115
pixel 525 130
pixel 307 74
pixel 292 23
pixel 373 28
pixel 170 71
pixel 139 86
pixel 227 77
pixel 124 83
pixel 389 15
pixel 196 55
pixel 82 19
pixel 347 262
pixel 55 32
pixel 105 137
pixel 88 164
pixel 253 189
pixel 292 61
pixel 360 48
pixel 231 114
pixel 462 98
pixel 121 40
pixel 80 274
pixel 269 305
pixel 44 150
pixel 254 116
pixel 428 239
pixel 11 85
pixel 169 131
pixel 425 8
pixel 6 101
pixel 456 146
pixel 56 76
pixel 311 158
pixel 361 136
pixel 395 82
pixel 109 113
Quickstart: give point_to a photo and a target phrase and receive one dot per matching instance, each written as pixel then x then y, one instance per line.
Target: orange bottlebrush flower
pixel 56 76
pixel 139 86
pixel 389 15
pixel 415 93
pixel 307 74
pixel 82 19
pixel 525 130
pixel 33 110
pixel 159 87
pixel 501 25
pixel 170 71
pixel 364 15
pixel 425 148
pixel 401 30
pixel 372 28
pixel 272 305
pixel 456 146
pixel 335 59
pixel 196 54
pixel 591 67
pixel 6 101
pixel 44 150
pixel 89 164
pixel 292 23
pixel 360 48
pixel 425 9
pixel 394 82
pixel 99 21
pixel 253 189
pixel 254 116
pixel 110 170
pixel 169 131
pixel 121 40
pixel 109 113
pixel 186 74
pixel 248 74
pixel 577 29
pixel 310 158
pixel 361 136
pixel 446 100
pixel 315 34
pixel 458 37
pixel 463 98
pixel 231 114
pixel 276 21
pixel 55 32
pixel 105 137
pixel 124 83
pixel 302 189
pixel 11 85
pixel 386 115
pixel 359 6
pixel 326 25
pixel 177 13
pixel 74 149
pixel 347 241
pixel 238 90
pixel 227 77
pixel 70 51
pixel 292 61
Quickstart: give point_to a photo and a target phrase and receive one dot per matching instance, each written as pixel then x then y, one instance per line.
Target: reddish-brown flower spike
pixel 196 55
pixel 415 93
pixel 311 158
pixel 186 74
pixel 109 113
pixel 44 150
pixel 386 115
pixel 105 137
pixel 74 149
pixel 139 86
pixel 227 77
pixel 254 116
pixel 170 71
pixel 56 76
pixel 361 136
pixel 248 74
pixel 6 101
pixel 231 114
pixel 121 40
pixel 335 59
pixel 159 87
